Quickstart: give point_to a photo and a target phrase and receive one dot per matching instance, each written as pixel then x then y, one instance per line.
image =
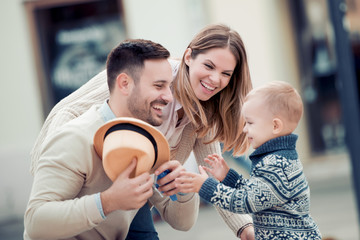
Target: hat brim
pixel 163 150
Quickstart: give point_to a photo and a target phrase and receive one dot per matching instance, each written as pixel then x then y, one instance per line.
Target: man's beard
pixel 142 110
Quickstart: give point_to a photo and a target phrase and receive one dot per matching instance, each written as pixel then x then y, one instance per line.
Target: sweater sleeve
pixel 60 175
pixel 233 179
pixel 268 187
pixel 181 214
pixel 235 222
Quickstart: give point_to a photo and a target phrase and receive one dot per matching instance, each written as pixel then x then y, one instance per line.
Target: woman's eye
pixel 208 66
pixel 227 74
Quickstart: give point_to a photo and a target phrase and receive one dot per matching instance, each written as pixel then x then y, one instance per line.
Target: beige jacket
pixel 68 175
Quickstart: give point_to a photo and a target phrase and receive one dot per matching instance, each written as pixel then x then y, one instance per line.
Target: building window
pixel 71 41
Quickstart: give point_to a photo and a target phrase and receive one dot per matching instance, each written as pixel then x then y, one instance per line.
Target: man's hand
pixel 127 193
pixel 167 183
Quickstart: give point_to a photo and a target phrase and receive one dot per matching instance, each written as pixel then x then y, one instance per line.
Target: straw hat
pixel 118 141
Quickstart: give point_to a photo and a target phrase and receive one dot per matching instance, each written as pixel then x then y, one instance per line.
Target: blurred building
pixel 49 48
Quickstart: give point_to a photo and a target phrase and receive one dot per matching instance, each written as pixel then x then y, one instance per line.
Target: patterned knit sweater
pixel 277 193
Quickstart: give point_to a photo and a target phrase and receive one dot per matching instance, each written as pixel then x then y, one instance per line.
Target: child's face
pixel 258 122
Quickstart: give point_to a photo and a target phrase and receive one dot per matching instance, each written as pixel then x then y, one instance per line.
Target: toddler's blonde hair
pixel 281 99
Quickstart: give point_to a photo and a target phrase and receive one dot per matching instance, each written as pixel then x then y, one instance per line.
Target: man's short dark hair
pixel 129 57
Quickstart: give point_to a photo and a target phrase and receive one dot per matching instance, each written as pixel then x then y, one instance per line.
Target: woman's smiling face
pixel 210 72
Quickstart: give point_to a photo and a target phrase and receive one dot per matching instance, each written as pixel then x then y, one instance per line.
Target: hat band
pixel 132 127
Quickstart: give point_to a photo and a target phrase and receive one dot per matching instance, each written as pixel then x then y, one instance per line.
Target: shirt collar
pixel 106 112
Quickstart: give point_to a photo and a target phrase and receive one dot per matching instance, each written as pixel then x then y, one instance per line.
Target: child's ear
pixel 278 125
pixel 123 83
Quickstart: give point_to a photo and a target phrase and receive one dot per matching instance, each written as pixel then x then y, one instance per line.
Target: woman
pixel 209 86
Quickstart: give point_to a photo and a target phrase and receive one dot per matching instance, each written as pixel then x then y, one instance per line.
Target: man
pixel 72 197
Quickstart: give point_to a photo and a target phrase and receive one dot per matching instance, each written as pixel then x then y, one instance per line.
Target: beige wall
pixel 169 22
pixel 20 108
pixel 20 104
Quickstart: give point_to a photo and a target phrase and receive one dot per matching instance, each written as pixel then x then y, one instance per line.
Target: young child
pixel 277 193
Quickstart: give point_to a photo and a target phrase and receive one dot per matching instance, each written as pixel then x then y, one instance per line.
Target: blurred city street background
pixel 50 48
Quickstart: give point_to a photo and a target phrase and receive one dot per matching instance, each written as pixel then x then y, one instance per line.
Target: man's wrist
pixel 105 203
pixel 99 205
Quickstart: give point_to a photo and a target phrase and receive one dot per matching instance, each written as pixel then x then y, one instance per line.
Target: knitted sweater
pixel 277 192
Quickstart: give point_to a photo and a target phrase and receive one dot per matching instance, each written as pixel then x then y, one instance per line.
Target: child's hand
pixel 219 167
pixel 191 182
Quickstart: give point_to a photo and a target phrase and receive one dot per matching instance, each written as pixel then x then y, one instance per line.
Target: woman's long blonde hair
pixel 221 114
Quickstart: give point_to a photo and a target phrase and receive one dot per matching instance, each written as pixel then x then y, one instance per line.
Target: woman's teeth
pixel 207 86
